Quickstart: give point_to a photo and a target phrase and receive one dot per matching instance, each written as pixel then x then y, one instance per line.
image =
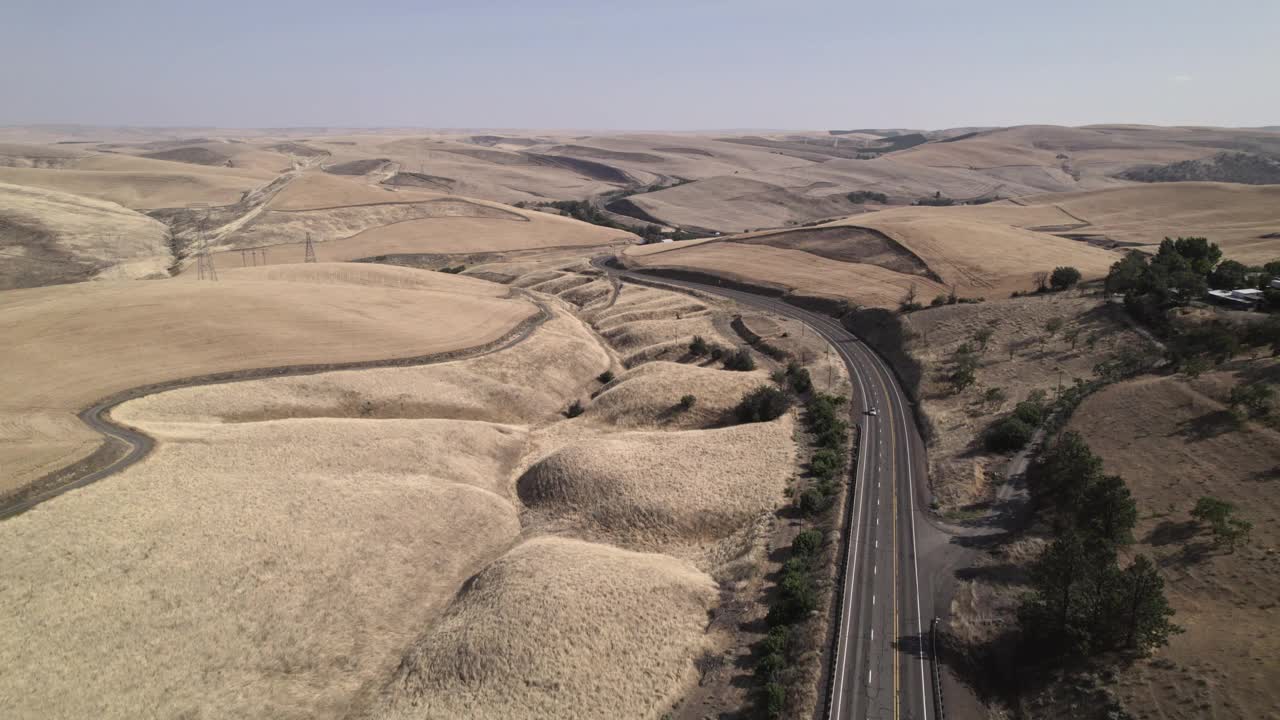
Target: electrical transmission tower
pixel 309 255
pixel 204 261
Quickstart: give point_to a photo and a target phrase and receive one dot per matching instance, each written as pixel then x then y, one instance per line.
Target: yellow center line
pixel 893 479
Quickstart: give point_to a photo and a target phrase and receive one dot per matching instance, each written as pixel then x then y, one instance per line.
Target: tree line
pixel 1082 602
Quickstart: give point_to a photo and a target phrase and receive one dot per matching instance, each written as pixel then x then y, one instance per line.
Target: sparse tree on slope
pixel 1142 608
pixel 1108 511
pixel 1064 277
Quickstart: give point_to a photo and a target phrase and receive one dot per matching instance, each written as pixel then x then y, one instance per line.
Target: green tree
pixel 1054 613
pixel 1228 530
pixel 740 360
pixel 1128 275
pixel 982 337
pixel 1254 398
pixel 1193 367
pixel 962 378
pixel 1229 275
pixel 1202 255
pixel 1070 467
pixel 1064 277
pixel 698 346
pixel 994 396
pixel 687 402
pixel 762 405
pixel 1053 325
pixel 1072 336
pixel 1108 511
pixel 1143 612
pixel 1008 434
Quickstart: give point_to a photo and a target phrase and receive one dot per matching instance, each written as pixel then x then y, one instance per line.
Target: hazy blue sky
pixel 640 65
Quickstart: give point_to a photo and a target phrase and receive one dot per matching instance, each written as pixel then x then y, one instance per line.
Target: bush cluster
pixel 798 379
pixel 1014 431
pixel 762 405
pixel 739 360
pixel 797 597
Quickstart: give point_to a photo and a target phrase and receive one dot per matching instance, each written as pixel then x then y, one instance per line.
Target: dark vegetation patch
pixel 357 167
pixel 293 148
pixel 602 153
pixel 586 168
pixel 684 151
pixel 31 257
pixel 491 140
pixel 1229 167
pixel 846 244
pixel 191 155
pixel 423 180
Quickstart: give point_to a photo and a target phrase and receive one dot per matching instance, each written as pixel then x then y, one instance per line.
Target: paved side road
pixel 883 667
pixel 139 445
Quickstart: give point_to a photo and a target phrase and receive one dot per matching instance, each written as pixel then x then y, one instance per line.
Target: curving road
pixel 882 667
pixel 139 444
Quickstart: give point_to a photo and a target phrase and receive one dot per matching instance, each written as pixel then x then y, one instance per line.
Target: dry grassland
pixel 984 259
pixel 73 344
pixel 48 237
pixel 1174 442
pixel 961 472
pixel 644 489
pixel 350 220
pixel 586 601
pixel 793 270
pixel 529 383
pixel 141 183
pixel 648 396
pixel 267 570
pixel 1234 216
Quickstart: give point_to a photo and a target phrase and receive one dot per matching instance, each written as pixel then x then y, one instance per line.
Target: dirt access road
pixel 897 569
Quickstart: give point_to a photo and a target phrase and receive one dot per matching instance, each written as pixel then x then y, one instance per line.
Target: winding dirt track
pixel 139 444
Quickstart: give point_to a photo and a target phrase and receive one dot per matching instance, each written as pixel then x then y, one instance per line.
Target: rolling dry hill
pixel 71 345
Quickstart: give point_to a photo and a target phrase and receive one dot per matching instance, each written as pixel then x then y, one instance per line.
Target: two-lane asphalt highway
pixel 882 665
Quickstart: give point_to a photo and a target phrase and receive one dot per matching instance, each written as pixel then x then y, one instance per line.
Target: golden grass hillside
pixel 645 324
pixel 787 271
pixel 274 569
pixel 526 637
pixel 49 237
pixel 648 396
pixel 1173 442
pixel 349 220
pixel 526 384
pixel 1237 217
pixel 74 344
pixel 646 488
pixel 142 183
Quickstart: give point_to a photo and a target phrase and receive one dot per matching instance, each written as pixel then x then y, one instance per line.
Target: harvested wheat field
pixel 648 396
pixel 1237 217
pixel 349 220
pixel 644 488
pixel 961 472
pixel 1174 442
pixel 528 638
pixel 49 237
pixel 787 271
pixel 71 345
